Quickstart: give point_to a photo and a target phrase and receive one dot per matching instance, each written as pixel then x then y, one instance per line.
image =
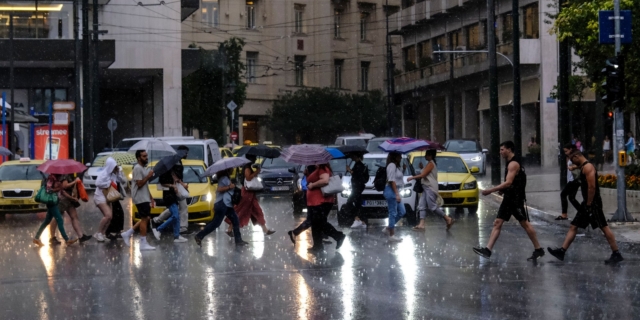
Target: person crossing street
pixel 142 199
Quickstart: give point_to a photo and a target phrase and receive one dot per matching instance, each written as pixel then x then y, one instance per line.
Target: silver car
pixel 470 151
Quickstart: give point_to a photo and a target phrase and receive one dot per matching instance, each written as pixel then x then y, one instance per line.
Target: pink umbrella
pixel 62 166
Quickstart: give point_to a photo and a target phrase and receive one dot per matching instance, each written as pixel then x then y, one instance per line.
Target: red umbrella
pixel 62 166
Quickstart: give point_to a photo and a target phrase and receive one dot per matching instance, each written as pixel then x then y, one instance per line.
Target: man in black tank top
pixel 591 211
pixel 513 190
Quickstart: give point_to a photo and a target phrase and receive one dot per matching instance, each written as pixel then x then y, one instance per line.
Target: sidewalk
pixel 543 201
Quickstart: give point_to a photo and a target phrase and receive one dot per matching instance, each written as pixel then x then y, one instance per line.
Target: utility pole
pixel 12 84
pixel 622 214
pixel 96 73
pixel 451 91
pixel 564 119
pixel 223 94
pixel 76 92
pixel 493 93
pixel 517 121
pixel 87 83
pixel 390 67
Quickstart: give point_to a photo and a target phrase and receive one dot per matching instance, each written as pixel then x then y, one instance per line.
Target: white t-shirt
pixel 394 174
pixel 569 174
pixel 606 146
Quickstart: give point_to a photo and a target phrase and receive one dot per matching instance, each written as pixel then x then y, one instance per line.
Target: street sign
pixel 232 105
pixel 112 124
pixel 234 136
pixel 606 25
pixel 61 118
pixel 64 105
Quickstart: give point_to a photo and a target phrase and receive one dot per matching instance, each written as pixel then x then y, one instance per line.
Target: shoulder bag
pixel 48 198
pixel 334 186
pixel 111 194
pixel 253 185
pixel 182 192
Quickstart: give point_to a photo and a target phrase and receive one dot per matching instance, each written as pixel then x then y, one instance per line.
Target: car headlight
pixel 405 192
pixel 259 179
pixel 476 158
pixel 86 174
pixel 470 185
pixel 206 198
pixel 130 176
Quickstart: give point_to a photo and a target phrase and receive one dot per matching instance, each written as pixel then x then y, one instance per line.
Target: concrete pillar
pixel 548 79
pixel 529 125
pixel 470 127
pixel 506 126
pixel 439 119
pixel 158 105
pixel 457 116
pixel 485 128
pixel 172 97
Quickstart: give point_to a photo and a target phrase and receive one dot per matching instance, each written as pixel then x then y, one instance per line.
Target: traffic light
pixel 614 83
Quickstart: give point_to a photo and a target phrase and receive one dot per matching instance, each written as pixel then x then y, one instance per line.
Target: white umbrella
pixel 224 164
pixel 157 149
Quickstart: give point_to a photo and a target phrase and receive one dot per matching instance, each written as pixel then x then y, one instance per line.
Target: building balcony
pixel 47 53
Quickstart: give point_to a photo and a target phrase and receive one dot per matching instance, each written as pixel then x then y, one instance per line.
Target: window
pixel 474 37
pixel 252 61
pixel 531 22
pixel 507 28
pixel 299 69
pixel 410 62
pixel 337 73
pixel 210 12
pixel 51 21
pixel 364 19
pixel 336 24
pixel 364 75
pixel 456 39
pixel 251 15
pixel 42 98
pixel 299 18
pixel 440 43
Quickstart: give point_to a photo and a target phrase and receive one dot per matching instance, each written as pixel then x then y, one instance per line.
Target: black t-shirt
pixel 360 176
pixel 169 196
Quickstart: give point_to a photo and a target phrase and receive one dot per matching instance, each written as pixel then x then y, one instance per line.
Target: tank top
pixel 584 187
pixel 431 180
pixel 517 189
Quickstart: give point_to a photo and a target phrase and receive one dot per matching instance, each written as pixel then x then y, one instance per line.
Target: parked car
pixel 372 145
pixel 19 183
pixel 360 141
pixel 202 193
pixel 279 177
pixel 89 177
pixel 456 184
pixel 374 204
pixel 471 152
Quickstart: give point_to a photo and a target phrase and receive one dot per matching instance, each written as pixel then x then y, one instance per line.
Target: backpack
pixel 380 181
pixel 236 196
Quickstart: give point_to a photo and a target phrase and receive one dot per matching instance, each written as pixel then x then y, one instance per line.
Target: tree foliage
pixel 202 91
pixel 318 115
pixel 577 22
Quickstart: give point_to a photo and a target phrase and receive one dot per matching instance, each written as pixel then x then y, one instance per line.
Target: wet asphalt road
pixel 430 275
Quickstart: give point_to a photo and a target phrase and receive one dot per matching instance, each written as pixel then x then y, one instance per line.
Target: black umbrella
pixel 167 163
pixel 349 150
pixel 259 151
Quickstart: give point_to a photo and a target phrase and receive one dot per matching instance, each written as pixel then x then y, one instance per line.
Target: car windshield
pixel 417 162
pixel 451 165
pixel 356 142
pixel 190 174
pixel 372 146
pixel 20 172
pixel 339 166
pixel 99 161
pixel 126 144
pixel 196 151
pixel 277 163
pixel 374 163
pixel 462 146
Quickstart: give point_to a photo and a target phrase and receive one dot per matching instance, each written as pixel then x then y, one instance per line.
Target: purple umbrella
pixel 306 154
pixel 403 145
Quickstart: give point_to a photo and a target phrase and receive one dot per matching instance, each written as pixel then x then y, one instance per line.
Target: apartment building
pixel 426 85
pixel 292 44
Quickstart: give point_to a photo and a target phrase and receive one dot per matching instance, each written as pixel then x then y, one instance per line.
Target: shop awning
pixel 18 115
pixel 529 93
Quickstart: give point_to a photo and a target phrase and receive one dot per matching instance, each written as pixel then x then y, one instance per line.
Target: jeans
pixel 221 211
pixel 320 226
pixel 53 213
pixel 570 191
pixel 173 221
pixel 184 215
pixel 396 209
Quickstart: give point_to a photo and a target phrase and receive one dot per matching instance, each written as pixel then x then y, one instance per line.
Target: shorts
pixel 510 208
pixel 144 209
pixel 596 219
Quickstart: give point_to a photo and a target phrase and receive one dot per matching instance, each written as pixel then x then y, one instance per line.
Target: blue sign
pixel 606 24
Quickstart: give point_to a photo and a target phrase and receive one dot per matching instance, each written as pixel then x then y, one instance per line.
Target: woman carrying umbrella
pixel 319 207
pixel 67 203
pixel 249 207
pixel 109 175
pixel 53 185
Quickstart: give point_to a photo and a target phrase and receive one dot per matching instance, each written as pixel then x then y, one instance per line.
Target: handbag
pixel 111 194
pixel 417 188
pixel 48 198
pixel 253 185
pixel 236 196
pixel 82 192
pixel 182 193
pixel 334 186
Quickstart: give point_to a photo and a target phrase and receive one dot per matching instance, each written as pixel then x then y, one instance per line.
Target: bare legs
pixel 106 219
pixel 497 227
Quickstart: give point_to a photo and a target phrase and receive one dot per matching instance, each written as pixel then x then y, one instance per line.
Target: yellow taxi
pixel 202 192
pixel 456 184
pixel 19 184
pixel 226 153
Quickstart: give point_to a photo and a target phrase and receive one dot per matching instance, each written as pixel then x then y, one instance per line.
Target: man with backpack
pixel 359 178
pixel 513 203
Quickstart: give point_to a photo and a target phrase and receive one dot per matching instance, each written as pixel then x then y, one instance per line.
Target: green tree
pixel 203 91
pixel 578 23
pixel 318 115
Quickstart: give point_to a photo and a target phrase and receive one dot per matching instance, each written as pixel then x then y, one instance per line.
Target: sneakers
pixel 395 239
pixel 38 242
pixel 557 252
pixel 615 258
pixel 85 238
pixel 126 236
pixel 269 232
pixel 144 245
pixel 483 252
pixel 179 239
pixel 186 233
pixel 100 237
pixel 71 241
pixel 358 224
pixel 156 233
pixel 54 241
pixel 537 253
pixel 340 241
pixel 198 241
pixel 386 231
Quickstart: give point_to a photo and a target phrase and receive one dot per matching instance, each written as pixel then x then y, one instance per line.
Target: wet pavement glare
pixel 430 275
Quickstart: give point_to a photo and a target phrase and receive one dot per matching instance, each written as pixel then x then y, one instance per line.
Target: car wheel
pixel 473 209
pixel 344 219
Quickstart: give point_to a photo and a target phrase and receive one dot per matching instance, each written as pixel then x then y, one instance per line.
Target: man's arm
pixel 589 172
pixel 512 171
pixel 144 180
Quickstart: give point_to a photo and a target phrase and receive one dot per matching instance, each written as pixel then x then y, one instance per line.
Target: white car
pixel 374 204
pixel 471 152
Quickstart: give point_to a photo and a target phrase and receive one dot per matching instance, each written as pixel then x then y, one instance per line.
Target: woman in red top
pixel 319 207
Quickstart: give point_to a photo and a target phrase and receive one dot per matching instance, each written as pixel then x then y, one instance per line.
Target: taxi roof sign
pixel 25 159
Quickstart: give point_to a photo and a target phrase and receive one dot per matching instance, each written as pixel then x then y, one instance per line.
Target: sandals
pixel 560 217
pixel 450 224
pixel 416 228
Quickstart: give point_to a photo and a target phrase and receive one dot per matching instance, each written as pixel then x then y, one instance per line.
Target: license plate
pixel 446 195
pixel 375 203
pixel 18 201
pixel 42 206
pixel 279 188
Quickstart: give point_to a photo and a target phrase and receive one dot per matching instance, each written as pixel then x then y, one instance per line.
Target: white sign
pixel 232 105
pixel 112 124
pixel 64 105
pixel 620 133
pixel 61 118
